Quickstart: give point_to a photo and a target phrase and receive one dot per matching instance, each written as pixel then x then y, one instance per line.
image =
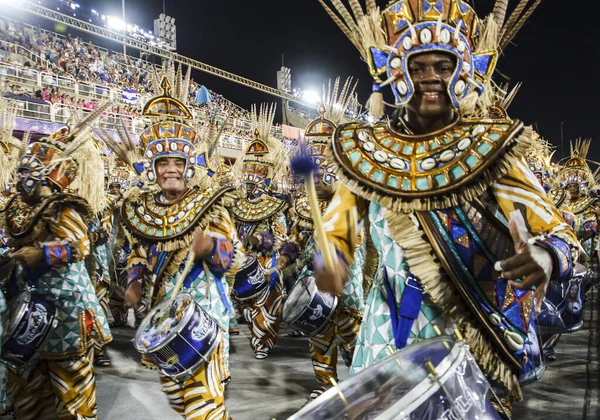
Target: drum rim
pixel 184 320
pixel 458 347
pixel 191 370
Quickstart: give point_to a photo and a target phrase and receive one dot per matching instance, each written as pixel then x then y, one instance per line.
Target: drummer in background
pixel 260 221
pixel 181 211
pixel 118 181
pixel 48 230
pixel 343 330
pixel 97 262
pixel 428 180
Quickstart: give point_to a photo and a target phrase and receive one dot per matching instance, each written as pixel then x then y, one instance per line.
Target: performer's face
pixel 538 176
pixel 169 174
pixel 323 190
pixel 114 189
pixel 430 73
pixel 573 189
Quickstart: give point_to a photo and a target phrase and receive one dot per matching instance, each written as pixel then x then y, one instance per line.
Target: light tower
pixel 284 83
pixel 165 29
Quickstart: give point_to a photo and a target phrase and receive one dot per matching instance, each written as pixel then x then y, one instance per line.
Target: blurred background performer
pixel 343 330
pixel 261 225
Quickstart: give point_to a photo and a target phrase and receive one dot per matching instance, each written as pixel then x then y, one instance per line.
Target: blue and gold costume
pixel 439 203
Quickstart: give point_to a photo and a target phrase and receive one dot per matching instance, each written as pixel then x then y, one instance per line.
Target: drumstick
pixel 339 391
pixel 305 166
pixel 315 209
pixel 183 275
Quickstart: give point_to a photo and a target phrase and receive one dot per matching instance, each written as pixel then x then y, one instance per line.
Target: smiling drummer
pixel 180 211
pixel 441 189
pixel 260 220
pixel 343 330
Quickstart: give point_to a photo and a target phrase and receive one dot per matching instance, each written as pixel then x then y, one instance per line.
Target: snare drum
pixel 178 337
pixel 562 309
pixel 31 320
pixel 250 281
pixel 309 309
pixel 403 387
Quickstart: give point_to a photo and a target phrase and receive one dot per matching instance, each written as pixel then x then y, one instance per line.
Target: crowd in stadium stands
pixel 73 58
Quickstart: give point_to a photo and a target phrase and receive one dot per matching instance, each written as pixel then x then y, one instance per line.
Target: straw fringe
pixel 371 260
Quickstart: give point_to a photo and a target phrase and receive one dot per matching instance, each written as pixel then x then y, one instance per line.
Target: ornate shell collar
pixel 421 172
pixel 245 210
pixel 149 219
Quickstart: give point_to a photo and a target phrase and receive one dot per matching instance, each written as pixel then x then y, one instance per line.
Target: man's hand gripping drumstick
pixel 329 278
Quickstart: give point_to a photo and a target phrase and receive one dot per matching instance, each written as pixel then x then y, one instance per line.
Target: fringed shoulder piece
pixel 405 172
pixel 172 226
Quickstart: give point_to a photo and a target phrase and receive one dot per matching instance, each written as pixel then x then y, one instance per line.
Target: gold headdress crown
pixel 576 169
pixel 387 39
pixel 332 113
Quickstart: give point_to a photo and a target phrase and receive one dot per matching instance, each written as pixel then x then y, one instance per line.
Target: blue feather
pixel 302 163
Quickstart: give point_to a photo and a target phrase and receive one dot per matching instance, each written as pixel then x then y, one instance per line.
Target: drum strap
pixel 410 306
pixel 195 273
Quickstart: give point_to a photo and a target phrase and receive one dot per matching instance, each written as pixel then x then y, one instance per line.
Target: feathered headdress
pixel 539 155
pixel 387 39
pixel 265 157
pixel 332 113
pixel 68 158
pixel 576 169
pixel 171 134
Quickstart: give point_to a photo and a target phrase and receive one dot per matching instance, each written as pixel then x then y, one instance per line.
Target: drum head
pixel 380 389
pixel 163 322
pixel 299 298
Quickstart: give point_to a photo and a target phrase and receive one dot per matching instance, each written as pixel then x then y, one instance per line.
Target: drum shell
pixel 183 352
pixel 25 336
pixel 250 281
pixel 319 307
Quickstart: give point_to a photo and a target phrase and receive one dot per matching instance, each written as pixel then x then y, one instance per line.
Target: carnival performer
pixel 225 177
pixel 48 231
pixel 576 180
pixel 462 228
pixel 343 330
pixel 118 181
pixel 261 226
pixel 177 212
